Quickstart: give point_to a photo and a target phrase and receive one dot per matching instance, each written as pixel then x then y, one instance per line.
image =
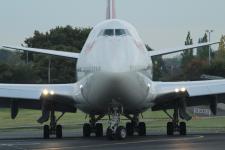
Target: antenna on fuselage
pixel 110 11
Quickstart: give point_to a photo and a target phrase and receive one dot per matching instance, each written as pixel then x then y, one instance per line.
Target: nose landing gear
pixel 114 131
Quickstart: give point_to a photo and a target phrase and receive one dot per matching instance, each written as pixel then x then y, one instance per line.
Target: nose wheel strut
pixel 115 131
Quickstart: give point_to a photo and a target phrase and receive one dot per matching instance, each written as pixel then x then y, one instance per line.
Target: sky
pixel 160 23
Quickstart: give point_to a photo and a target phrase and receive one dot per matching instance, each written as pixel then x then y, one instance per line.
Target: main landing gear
pixel 135 126
pixel 53 129
pixel 115 131
pixel 93 127
pixel 175 125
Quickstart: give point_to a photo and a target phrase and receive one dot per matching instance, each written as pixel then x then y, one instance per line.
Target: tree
pixel 221 49
pixel 216 68
pixel 14 70
pixel 63 70
pixel 158 65
pixel 203 52
pixel 68 37
pixel 218 63
pixel 187 55
pixel 194 69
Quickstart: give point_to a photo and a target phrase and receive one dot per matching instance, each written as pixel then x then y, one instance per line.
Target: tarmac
pixel 73 140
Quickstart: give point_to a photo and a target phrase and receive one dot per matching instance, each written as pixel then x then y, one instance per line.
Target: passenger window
pixel 108 32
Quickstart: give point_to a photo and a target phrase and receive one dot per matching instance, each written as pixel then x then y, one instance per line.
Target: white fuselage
pixel 115 68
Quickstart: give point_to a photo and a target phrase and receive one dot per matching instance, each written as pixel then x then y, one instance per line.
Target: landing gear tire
pixel 130 129
pixel 99 130
pixel 121 133
pixel 46 131
pixel 86 130
pixel 109 134
pixel 170 128
pixel 141 129
pixel 58 131
pixel 183 130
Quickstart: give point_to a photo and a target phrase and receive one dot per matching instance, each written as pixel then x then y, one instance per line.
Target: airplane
pixel 114 79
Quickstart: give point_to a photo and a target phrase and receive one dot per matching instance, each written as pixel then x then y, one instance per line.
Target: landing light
pixel 81 86
pixel 177 90
pixel 183 89
pixel 52 92
pixel 45 92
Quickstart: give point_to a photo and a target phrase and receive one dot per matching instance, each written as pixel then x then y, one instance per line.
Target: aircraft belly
pixel 102 90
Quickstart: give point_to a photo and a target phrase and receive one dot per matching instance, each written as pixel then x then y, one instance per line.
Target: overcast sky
pixel 161 23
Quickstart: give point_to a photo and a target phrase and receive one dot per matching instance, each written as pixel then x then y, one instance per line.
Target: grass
pixel 155 121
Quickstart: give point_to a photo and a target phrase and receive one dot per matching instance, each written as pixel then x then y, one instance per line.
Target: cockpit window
pixel 108 32
pixel 120 32
pixel 112 32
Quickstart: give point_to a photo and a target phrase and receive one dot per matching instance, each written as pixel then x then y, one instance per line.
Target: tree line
pixel 191 64
pixel 23 67
pixel 35 67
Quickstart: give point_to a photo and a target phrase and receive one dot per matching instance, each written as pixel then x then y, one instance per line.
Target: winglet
pixel 110 11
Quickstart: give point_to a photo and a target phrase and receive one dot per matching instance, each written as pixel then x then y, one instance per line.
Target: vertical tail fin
pixel 111 12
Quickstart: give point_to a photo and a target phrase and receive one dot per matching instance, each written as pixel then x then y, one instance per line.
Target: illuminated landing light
pixel 81 86
pixel 177 90
pixel 149 85
pixel 45 92
pixel 183 89
pixel 52 92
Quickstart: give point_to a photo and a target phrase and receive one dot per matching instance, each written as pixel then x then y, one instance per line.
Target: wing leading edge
pixel 174 50
pixel 193 88
pixel 46 51
pixel 35 91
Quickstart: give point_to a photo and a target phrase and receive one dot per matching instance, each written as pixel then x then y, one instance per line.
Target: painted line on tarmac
pixel 19 144
pixel 144 141
pixel 125 143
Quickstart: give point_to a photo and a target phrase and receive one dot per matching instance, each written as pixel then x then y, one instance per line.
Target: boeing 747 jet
pixel 114 78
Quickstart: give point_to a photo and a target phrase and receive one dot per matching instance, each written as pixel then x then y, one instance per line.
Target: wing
pixel 174 50
pixel 193 88
pixel 46 51
pixel 34 91
pixel 194 93
pixel 33 96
